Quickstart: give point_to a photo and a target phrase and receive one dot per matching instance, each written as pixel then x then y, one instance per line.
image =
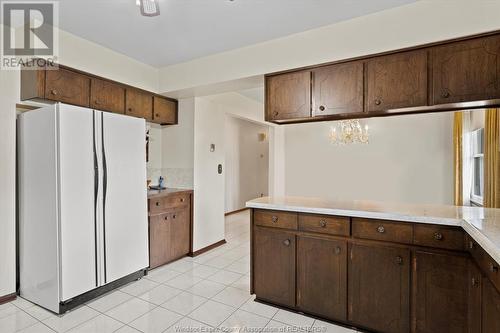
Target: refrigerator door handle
pixel 105 186
pixel 96 193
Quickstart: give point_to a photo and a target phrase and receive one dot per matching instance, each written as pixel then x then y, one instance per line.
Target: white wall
pixel 247 162
pixel 409 159
pixel 9 95
pixel 417 23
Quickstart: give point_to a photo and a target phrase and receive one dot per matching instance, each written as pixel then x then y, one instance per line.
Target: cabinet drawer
pixel 489 266
pixel 449 238
pixel 171 201
pixel 333 225
pixel 275 219
pixel 382 230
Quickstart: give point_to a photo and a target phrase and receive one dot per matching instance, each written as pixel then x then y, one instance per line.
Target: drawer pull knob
pixel 174 216
pixel 166 217
pixel 378 102
pixel 322 108
pixel 286 242
pixel 322 223
pixel 274 219
pixel 493 268
pixel 381 229
pixel 445 94
pixel 438 236
pixel 475 282
pixel 182 199
pixel 399 260
pixel 157 203
pixel 338 250
pixel 471 245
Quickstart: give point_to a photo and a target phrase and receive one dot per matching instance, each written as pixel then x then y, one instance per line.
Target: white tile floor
pixel 189 295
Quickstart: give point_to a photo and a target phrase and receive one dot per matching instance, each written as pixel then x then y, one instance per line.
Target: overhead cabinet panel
pixel 139 104
pixel 107 96
pixel 396 81
pixel 165 111
pixel 467 71
pixel 65 86
pixel 289 96
pixel 338 89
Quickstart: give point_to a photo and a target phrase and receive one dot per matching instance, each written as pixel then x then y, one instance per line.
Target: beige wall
pixel 409 159
pixel 417 23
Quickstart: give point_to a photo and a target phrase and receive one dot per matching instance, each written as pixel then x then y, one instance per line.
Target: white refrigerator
pixel 83 227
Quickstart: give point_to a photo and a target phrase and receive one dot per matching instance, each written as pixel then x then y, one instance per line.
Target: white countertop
pixel 482 224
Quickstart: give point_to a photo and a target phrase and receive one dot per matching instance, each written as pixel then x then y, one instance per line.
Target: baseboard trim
pixel 7 298
pixel 236 211
pixel 207 248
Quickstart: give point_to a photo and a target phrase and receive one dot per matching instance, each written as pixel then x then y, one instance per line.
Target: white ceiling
pixel 189 29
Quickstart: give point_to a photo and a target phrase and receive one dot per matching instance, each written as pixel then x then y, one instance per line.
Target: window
pixel 477 191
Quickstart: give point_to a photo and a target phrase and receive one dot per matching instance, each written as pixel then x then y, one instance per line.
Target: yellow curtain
pixel 457 157
pixel 491 159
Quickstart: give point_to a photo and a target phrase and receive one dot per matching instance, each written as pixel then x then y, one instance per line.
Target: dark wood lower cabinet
pixel 274 260
pixel 179 233
pixel 490 319
pixel 441 293
pixel 322 277
pixel 379 287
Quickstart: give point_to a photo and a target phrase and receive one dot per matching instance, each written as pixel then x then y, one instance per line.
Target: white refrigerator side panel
pixel 125 210
pixel 77 201
pixel 38 207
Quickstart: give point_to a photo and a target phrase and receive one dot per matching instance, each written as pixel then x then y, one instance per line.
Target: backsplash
pixel 174 177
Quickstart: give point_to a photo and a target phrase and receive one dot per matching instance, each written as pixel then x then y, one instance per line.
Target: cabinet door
pixel 107 96
pixel 139 104
pixel 288 96
pixel 165 111
pixel 474 298
pixel 322 277
pixel 69 87
pixel 396 81
pixel 440 293
pixel 179 237
pixel 379 287
pixel 274 266
pixel 466 71
pixel 159 231
pixel 490 308
pixel 338 89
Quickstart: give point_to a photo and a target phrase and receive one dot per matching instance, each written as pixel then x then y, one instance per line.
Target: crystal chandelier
pixel 349 131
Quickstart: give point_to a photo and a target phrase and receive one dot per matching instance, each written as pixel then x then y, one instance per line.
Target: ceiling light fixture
pixel 350 132
pixel 149 7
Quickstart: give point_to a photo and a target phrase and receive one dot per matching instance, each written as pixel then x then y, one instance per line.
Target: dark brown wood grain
pixel 139 104
pixel 275 219
pixel 389 231
pixel 451 238
pixel 179 237
pixel 486 263
pixel 107 96
pixel 379 287
pixel 490 308
pixel 322 277
pixel 274 264
pixel 441 293
pixel 288 96
pixel 68 87
pixel 396 81
pixel 474 298
pixel 467 70
pixel 333 225
pixel 7 298
pixel 164 111
pixel 159 231
pixel 338 89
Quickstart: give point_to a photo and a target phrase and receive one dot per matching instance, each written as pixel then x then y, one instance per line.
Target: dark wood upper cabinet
pixel 396 81
pixel 139 103
pixel 66 86
pixel 379 287
pixel 107 96
pixel 322 277
pixel 441 293
pixel 490 308
pixel 164 111
pixel 274 260
pixel 288 96
pixel 466 71
pixel 338 89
